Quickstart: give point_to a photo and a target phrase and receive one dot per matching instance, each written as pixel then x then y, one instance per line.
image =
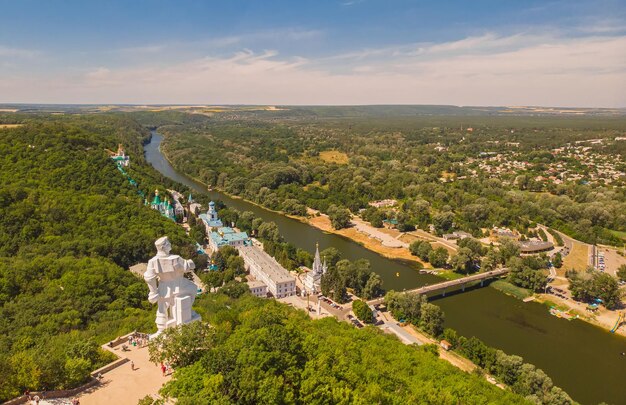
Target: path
pixel 385 239
pixel 425 235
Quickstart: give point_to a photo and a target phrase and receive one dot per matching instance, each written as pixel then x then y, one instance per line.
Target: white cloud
pixel 16 52
pixel 521 69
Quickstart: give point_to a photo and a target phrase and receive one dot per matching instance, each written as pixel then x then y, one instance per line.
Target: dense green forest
pixel 262 352
pixel 70 225
pixel 438 171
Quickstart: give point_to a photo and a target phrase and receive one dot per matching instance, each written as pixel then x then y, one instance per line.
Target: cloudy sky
pixel 550 53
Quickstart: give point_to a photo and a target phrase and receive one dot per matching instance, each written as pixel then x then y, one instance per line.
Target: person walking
pixel 132 365
pixel 163 369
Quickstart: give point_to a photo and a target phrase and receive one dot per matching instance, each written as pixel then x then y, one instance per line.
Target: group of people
pixel 138 339
pixel 32 399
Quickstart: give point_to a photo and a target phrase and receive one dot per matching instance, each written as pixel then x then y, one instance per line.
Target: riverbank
pixel 603 318
pixel 322 222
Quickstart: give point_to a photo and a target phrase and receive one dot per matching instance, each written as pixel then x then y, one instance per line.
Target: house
pixel 267 270
pixel 390 223
pixel 257 288
pixel 210 219
pixel 496 233
pixel 532 247
pixel 457 235
pixel 226 236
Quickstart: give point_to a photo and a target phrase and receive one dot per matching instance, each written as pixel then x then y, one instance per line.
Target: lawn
pixel 510 289
pixel 619 234
pixel 578 258
pixel 334 156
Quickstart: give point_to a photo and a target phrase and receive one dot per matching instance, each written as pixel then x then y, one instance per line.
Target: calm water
pixel 582 359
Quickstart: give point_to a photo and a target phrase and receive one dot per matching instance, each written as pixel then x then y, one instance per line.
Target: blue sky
pixel 563 53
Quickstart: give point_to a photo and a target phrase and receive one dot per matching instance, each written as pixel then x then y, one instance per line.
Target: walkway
pixel 123 385
pixel 419 233
pixel 452 283
pixel 404 336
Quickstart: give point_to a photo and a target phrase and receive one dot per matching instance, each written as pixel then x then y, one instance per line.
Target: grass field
pixel 577 259
pixel 619 234
pixel 510 289
pixel 334 156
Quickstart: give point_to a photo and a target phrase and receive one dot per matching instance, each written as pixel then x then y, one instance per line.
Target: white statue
pixel 173 293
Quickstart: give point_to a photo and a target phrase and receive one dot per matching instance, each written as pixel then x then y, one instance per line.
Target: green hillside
pixel 70 225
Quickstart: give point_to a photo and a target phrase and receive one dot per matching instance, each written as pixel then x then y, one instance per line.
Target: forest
pixel 70 225
pixel 438 172
pixel 262 352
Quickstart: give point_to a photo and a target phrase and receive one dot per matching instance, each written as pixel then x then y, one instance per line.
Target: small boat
pixel 562 314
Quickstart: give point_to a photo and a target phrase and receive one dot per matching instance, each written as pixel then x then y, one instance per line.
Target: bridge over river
pixel 444 285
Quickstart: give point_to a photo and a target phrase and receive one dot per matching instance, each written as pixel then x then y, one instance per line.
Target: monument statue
pixel 173 293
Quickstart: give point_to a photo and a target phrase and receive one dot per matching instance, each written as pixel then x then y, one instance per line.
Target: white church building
pixel 312 280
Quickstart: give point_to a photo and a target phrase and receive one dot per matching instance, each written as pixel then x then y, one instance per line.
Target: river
pixel 584 360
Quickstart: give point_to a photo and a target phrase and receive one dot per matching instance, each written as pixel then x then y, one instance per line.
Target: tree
pixel 490 261
pixel 269 231
pixel 362 311
pixel 464 261
pixel 331 255
pixel 532 381
pixel 424 251
pixel 214 279
pixel 373 287
pixel 339 217
pixel 222 256
pixel 438 257
pixel 508 367
pixel 181 345
pixel 235 289
pixel 508 248
pixel 621 272
pixel 443 221
pixel 473 245
pixel 594 284
pixel 431 319
pixel 414 247
pixel 557 260
pixel 77 370
pixel 237 265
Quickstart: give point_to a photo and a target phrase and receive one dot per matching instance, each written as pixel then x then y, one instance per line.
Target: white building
pixel 266 269
pixel 210 219
pixel 312 280
pixel 120 157
pixel 228 236
pixel 258 288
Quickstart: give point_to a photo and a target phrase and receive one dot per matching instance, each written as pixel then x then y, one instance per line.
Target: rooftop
pixel 255 284
pixel 226 237
pixel 212 223
pixel 267 264
pixel 532 246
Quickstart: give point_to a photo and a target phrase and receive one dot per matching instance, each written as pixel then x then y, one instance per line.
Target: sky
pixel 336 52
